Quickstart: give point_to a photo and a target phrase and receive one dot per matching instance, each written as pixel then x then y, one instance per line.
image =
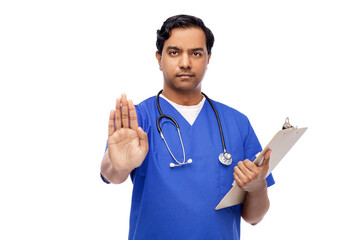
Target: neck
pixel 183 98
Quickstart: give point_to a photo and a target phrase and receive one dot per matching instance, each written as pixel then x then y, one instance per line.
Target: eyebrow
pixel 173 48
pixel 178 49
pixel 198 49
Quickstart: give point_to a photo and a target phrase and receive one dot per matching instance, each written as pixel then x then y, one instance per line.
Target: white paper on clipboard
pixel 280 145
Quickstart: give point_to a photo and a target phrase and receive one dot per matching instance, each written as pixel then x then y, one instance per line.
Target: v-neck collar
pixel 184 125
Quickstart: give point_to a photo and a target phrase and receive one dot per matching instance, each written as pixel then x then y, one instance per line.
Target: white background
pixel 63 63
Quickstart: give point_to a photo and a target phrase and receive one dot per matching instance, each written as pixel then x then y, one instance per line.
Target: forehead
pixel 186 38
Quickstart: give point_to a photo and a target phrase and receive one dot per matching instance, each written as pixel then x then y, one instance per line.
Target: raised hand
pixel 127 142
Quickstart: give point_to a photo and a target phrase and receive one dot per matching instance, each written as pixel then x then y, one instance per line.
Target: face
pixel 184 60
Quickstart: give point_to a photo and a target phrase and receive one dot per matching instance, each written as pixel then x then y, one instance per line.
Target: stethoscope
pixel 224 157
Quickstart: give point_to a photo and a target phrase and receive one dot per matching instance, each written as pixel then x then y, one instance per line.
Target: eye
pixel 173 53
pixel 197 54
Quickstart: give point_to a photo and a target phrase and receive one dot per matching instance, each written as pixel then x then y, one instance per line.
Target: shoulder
pixel 234 119
pixel 231 112
pixel 145 111
pixel 146 104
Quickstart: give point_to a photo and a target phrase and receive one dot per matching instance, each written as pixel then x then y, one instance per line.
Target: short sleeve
pixel 270 180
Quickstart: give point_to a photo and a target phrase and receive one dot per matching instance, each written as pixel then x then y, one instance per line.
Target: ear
pixel 209 58
pixel 158 57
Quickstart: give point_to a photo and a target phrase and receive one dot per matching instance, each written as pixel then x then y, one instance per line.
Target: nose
pixel 185 62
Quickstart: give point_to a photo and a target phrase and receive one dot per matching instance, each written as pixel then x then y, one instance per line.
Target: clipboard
pixel 280 145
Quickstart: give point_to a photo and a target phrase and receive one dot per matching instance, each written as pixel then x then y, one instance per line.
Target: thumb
pixel 143 139
pixel 265 163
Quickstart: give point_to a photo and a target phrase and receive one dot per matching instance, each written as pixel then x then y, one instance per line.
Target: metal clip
pixel 287 124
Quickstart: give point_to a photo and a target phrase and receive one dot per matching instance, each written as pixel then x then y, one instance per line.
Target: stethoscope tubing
pixel 218 121
pixel 177 125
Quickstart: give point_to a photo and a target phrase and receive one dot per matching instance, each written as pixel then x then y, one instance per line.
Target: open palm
pixel 127 142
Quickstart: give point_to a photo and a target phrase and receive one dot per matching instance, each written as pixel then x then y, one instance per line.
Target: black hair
pixel 182 21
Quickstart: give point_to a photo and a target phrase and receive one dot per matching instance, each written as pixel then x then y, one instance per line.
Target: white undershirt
pixel 190 113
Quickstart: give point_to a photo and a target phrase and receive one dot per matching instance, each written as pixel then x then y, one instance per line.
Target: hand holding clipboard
pixel 280 145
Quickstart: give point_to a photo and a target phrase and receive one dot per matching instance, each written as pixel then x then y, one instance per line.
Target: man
pixel 179 202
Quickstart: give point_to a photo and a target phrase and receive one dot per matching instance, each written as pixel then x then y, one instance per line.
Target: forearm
pixel 110 173
pixel 256 206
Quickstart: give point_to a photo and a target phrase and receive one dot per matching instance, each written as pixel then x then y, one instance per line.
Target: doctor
pixel 179 202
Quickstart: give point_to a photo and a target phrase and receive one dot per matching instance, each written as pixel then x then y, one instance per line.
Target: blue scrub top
pixel 179 203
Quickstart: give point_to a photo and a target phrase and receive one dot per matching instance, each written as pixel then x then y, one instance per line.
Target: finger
pixel 124 111
pixel 133 118
pixel 118 114
pixel 237 180
pixel 111 122
pixel 143 138
pixel 243 179
pixel 241 182
pixel 251 166
pixel 246 171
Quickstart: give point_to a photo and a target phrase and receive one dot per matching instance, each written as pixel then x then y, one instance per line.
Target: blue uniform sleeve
pixel 270 180
pixel 104 179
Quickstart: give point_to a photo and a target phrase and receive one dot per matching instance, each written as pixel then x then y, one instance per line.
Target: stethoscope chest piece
pixel 225 158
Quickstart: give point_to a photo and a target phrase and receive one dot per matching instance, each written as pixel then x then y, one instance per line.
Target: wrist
pixel 260 189
pixel 112 174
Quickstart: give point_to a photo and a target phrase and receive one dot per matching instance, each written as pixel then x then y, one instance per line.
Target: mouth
pixel 185 75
